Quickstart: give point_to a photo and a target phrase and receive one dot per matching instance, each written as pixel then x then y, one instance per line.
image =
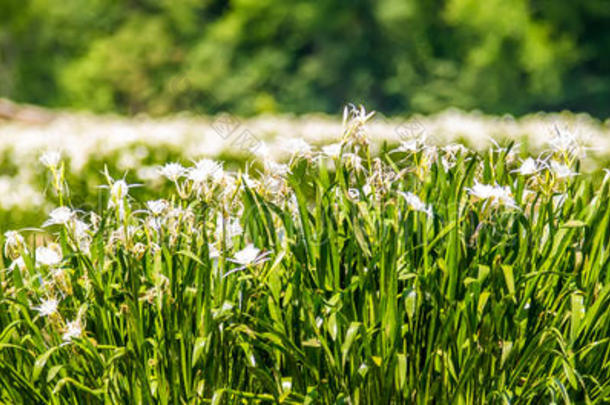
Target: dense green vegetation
pixel 422 275
pixel 251 56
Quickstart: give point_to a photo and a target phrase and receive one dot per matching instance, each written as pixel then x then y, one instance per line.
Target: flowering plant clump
pixel 343 274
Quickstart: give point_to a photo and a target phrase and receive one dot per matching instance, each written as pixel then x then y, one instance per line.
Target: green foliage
pixel 356 295
pixel 249 57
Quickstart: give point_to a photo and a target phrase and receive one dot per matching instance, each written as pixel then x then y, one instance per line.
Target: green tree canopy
pixel 252 56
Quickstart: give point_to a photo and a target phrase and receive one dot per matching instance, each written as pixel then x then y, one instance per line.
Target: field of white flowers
pixel 457 258
pixel 137 146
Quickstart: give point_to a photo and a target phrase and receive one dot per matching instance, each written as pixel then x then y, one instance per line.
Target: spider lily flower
pixel 451 153
pixel 204 170
pixel 119 190
pixel 501 149
pixel 157 207
pixel 274 188
pixel 214 253
pixel 247 255
pixel 333 151
pixel 354 122
pixel 74 329
pixel 122 235
pixel 250 255
pixel 447 162
pixel 48 256
pixel 496 195
pixel 356 114
pixel 17 263
pixel 561 171
pixel 47 307
pixel 412 146
pixel 13 244
pixel 353 162
pixel 528 167
pixel 416 204
pixel 80 228
pixel 455 149
pixel 276 169
pixel 568 143
pixel 250 182
pixel 51 159
pixel 60 216
pixel 172 171
pixel 297 147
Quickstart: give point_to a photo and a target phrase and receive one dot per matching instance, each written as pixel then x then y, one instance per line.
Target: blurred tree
pixel 253 56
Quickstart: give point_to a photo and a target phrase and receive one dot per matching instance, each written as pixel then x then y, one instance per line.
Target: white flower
pixel 276 169
pixel 333 151
pixel 234 228
pixel 157 207
pixel 80 229
pixel 455 149
pixel 272 185
pixel 204 170
pixel 17 263
pixel 59 216
pixel 47 307
pixel 13 243
pixel 448 163
pixel 354 125
pixel 353 161
pixel 497 195
pixel 214 253
pixel 172 171
pixel 50 159
pixel 47 256
pixel 122 234
pixel 411 145
pixel 528 166
pixel 249 181
pixel 565 141
pixel 249 255
pixel 74 329
pixel 416 204
pixel 297 147
pixel 119 190
pixel 561 171
pixel 13 238
pixel 356 114
pixel 367 190
pixel 231 226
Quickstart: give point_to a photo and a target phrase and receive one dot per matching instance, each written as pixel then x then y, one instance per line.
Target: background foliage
pixel 252 56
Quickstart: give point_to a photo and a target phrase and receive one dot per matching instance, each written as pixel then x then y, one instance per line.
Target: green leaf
pixel 41 361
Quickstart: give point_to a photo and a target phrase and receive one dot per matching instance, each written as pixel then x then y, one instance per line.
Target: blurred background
pixel 277 56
